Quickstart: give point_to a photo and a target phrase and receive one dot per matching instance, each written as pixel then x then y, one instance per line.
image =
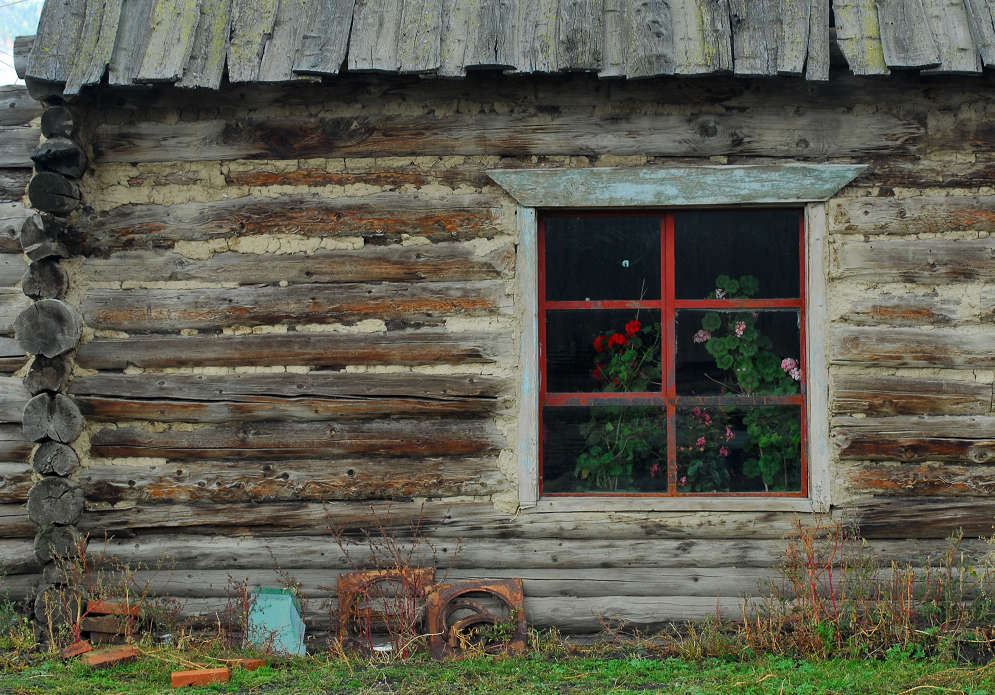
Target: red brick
pixel 200 677
pixel 75 649
pixel 109 656
pixel 111 608
pixel 249 664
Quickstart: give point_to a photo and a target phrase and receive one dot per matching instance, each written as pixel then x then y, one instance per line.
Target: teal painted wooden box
pixel 275 622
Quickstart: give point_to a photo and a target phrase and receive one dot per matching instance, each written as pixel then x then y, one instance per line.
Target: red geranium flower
pixel 616 339
pixel 597 373
pixel 599 344
pixel 632 328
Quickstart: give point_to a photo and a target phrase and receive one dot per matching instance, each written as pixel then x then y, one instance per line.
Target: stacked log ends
pixel 50 329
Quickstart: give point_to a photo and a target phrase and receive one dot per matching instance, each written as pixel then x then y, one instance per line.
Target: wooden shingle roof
pixel 193 42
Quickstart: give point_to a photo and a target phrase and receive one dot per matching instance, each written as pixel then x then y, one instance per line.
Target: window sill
pixel 674 504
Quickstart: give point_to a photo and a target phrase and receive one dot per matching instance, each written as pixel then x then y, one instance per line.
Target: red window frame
pixel 667 397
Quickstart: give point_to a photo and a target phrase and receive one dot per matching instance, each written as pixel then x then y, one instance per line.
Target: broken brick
pixel 111 608
pixel 75 649
pixel 200 677
pixel 249 664
pixel 110 656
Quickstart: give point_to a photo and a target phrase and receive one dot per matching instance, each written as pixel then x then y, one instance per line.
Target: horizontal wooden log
pixel 16 105
pixel 55 501
pixel 410 347
pixel 48 373
pixel 13 446
pixel 12 356
pixel 587 615
pixel 916 215
pixel 45 279
pixel 61 155
pixel 261 408
pixel 55 458
pixel 816 132
pixel 57 122
pixel 21 54
pixel 883 395
pixel 386 177
pixel 173 310
pixel 907 347
pixel 53 417
pixel 940 481
pixel 305 440
pixel 16 144
pixel 54 193
pixel 918 173
pixel 924 261
pixel 12 267
pixel 14 522
pixel 924 517
pixel 49 327
pixel 13 397
pixel 12 216
pixel 13 303
pixel 309 481
pixel 40 236
pixel 967 439
pixel 13 183
pixel 17 557
pixel 438 262
pixel 245 387
pixel 15 482
pixel 913 309
pixel 380 218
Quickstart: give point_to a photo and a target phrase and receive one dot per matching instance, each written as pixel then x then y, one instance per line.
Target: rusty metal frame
pixel 444 639
pixel 352 586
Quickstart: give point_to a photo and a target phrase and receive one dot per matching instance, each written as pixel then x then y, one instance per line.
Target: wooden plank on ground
pixel 252 24
pixel 134 29
pixel 702 37
pixel 916 261
pixel 909 347
pixel 373 37
pixel 206 63
pixel 174 24
pixel 419 36
pixel 17 107
pixel 409 347
pixel 981 15
pixel 951 28
pixel 580 35
pixel 906 37
pixel 324 37
pixel 96 45
pixel 894 395
pixel 964 439
pixel 930 214
pixel 817 60
pixel 57 40
pixel 17 142
pixel 859 36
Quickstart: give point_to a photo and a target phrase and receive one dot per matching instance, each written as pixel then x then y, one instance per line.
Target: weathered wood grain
pixel 324 37
pixel 145 311
pixel 702 37
pixel 55 458
pixel 925 261
pixel 859 36
pixel 406 347
pixel 917 215
pixel 134 29
pixel 12 216
pixel 56 41
pixel 616 31
pixel 291 481
pixel 13 396
pixel 278 56
pixel 906 38
pixel 817 59
pixel 96 45
pixel 12 304
pixel 756 35
pixel 55 501
pixel 419 36
pixel 15 482
pixel 649 43
pixel 580 35
pixel 54 193
pixel 380 218
pixel 40 237
pixel 252 24
pixel 303 440
pixel 206 63
pixel 13 183
pixel 792 46
pixel 966 438
pixel 951 29
pixel 22 54
pixel 13 446
pixel 16 105
pixel 907 347
pixel 48 374
pixel 48 327
pixel 434 263
pixel 908 310
pixel 981 15
pixel 45 279
pixel 12 267
pixel 374 34
pixel 17 557
pixel 940 481
pixel 61 155
pixel 58 122
pixel 818 131
pixel 14 522
pixel 171 40
pixel 48 416
pixel 16 144
pixel 888 395
pixel 925 517
pixel 57 541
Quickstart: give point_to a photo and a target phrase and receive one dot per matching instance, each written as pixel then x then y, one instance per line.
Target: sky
pixel 17 18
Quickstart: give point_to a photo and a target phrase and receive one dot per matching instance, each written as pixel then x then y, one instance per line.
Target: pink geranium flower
pixel 795 374
pixel 702 336
pixel 723 452
pixel 740 328
pixel 729 433
pixel 788 363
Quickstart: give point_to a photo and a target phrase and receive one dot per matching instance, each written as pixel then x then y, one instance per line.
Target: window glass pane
pixel 604 449
pixel 758 244
pixel 737 352
pixel 756 449
pixel 598 258
pixel 603 350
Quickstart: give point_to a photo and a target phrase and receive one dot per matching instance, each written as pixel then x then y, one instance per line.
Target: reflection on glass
pixel 604 449
pixel 755 449
pixel 603 351
pixel 738 352
pixel 602 258
pixel 760 244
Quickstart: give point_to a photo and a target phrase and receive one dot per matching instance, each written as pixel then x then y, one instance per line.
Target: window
pixel 625 193
pixel 671 353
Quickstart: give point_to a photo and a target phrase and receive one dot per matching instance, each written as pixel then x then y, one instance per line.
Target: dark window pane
pixel 736 352
pixel 755 449
pixel 598 258
pixel 604 449
pixel 603 350
pixel 761 244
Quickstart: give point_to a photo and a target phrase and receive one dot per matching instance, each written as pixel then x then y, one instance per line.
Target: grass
pixel 557 671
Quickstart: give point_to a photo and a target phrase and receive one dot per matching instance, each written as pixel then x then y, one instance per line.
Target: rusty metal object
pixel 449 635
pixel 356 589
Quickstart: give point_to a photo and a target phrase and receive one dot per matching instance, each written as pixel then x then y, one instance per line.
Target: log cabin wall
pixel 301 302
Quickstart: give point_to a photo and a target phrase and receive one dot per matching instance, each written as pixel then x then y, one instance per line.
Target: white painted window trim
pixel 517 183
